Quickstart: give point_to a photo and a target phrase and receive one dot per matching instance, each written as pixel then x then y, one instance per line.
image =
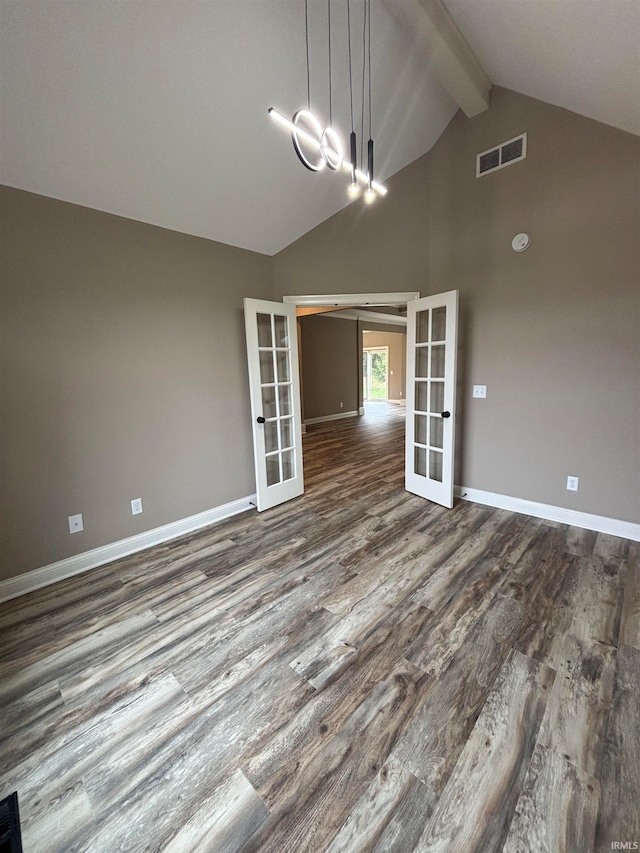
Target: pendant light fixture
pixel 370 194
pixel 318 147
pixel 354 189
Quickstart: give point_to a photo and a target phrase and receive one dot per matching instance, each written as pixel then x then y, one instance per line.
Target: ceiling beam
pixel 446 50
pixel 369 316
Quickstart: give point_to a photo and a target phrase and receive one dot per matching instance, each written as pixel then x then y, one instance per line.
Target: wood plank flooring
pixel 358 670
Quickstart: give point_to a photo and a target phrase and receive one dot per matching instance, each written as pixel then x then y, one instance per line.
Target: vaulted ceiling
pixel 156 110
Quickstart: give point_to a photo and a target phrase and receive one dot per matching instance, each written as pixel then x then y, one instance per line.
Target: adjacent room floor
pixel 356 670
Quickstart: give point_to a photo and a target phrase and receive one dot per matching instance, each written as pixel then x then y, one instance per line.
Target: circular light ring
pixel 316 129
pixel 331 148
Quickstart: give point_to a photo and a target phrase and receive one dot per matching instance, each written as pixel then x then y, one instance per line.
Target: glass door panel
pixel 438 323
pixel 269 408
pixel 284 399
pixel 271 436
pixel 422 327
pixel 265 338
pixel 435 465
pixel 422 361
pixel 436 430
pixel 421 396
pixel 286 433
pixel 421 429
pixel 437 362
pixel 266 366
pixel 437 398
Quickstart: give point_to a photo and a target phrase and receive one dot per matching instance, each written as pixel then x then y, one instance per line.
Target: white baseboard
pixel 600 523
pixel 361 410
pixel 30 581
pixel 337 417
pixel 38 578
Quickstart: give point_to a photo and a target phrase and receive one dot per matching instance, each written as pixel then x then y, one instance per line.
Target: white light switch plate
pixel 480 391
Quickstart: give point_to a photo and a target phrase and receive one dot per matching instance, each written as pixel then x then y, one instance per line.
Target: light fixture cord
pixel 330 101
pixel 306 38
pixel 350 73
pixel 364 69
pixel 369 19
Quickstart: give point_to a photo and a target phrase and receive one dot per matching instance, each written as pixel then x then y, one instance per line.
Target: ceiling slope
pixel 156 110
pixel 583 55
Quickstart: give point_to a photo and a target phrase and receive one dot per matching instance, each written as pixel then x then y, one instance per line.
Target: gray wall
pixel 123 376
pixel 553 332
pixel 330 365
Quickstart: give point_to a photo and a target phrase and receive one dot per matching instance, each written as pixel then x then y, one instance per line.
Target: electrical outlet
pixel 136 506
pixel 480 391
pixel 75 523
pixel 341 405
pixel 572 484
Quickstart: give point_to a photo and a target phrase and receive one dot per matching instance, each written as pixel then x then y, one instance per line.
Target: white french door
pixel 432 332
pixel 274 386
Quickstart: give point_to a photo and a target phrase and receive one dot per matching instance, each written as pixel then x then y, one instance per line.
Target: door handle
pixel 260 420
pixel 446 414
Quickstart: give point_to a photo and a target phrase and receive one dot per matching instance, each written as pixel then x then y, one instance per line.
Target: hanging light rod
pixel 326 142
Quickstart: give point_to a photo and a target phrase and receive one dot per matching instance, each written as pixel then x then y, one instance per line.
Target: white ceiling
pixel 156 110
pixel 583 55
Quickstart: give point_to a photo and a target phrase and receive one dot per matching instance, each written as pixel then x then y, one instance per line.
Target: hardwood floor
pixel 357 670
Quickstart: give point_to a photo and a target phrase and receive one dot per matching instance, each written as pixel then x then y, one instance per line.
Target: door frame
pixel 388 299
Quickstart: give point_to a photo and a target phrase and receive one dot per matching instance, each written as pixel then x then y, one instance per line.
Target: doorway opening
pixel 332 330
pixel 332 384
pixel 375 373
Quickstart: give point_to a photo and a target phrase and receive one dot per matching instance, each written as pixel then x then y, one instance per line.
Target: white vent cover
pixel 503 155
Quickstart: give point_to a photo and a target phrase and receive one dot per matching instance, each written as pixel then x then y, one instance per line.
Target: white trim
pixel 393 299
pixel 361 410
pixel 377 318
pixel 348 314
pixel 54 572
pixel 600 523
pixel 337 417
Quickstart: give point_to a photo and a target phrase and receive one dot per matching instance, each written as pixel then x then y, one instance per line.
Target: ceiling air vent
pixel 503 155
